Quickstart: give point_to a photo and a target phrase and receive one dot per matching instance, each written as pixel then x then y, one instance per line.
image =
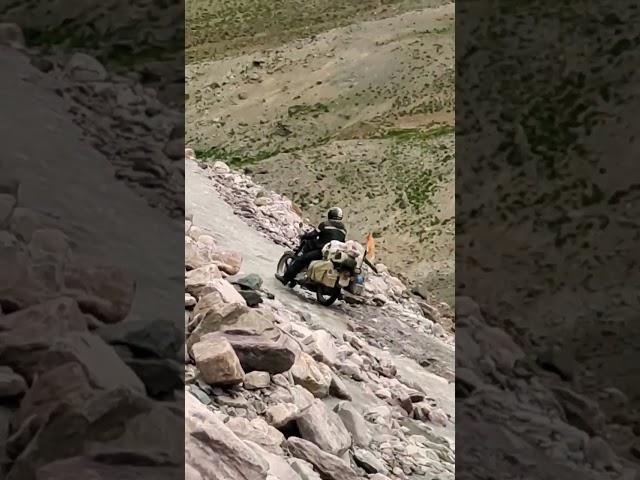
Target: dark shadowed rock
pixel 257 352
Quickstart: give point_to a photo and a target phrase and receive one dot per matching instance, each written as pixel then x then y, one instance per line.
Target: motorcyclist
pixel 327 231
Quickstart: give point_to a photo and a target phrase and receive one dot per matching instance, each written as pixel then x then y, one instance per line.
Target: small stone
pixel 256 380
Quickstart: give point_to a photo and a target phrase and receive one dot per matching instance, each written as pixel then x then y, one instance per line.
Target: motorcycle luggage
pixel 322 271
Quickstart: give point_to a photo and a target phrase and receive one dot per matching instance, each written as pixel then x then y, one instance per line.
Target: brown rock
pixel 217 362
pixel 26 335
pixel 105 292
pixel 257 352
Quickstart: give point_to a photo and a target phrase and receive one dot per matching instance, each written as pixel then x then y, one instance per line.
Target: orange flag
pixel 371 247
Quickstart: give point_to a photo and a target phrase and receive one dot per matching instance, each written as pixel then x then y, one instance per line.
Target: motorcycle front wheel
pixel 284 262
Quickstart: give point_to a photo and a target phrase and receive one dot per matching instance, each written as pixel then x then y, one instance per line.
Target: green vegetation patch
pixel 232 158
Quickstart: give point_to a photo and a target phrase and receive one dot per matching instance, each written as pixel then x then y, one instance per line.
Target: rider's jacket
pixel 326 232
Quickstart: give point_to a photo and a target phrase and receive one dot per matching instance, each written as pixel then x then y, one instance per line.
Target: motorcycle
pixel 328 277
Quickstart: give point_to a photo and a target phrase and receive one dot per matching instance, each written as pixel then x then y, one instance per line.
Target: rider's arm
pixel 309 235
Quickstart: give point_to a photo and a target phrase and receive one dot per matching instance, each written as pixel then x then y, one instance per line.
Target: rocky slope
pixel 89 345
pixel 275 383
pixel 360 116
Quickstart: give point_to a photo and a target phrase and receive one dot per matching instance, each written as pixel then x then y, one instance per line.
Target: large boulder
pixel 200 281
pixel 104 368
pixel 354 422
pixel 67 383
pixel 105 292
pixel 315 377
pixel 72 429
pixel 158 337
pixel 257 352
pixel 214 451
pixel 217 362
pixel 26 335
pixel 324 428
pixel 258 431
pixel 329 466
pixel 321 346
pixel 232 318
pixel 278 466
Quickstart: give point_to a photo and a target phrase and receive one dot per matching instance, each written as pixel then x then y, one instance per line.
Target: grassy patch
pixel 217 28
pixel 419 134
pixel 232 158
pixel 304 109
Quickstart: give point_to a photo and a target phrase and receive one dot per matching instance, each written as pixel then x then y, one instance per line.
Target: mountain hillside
pixel 360 116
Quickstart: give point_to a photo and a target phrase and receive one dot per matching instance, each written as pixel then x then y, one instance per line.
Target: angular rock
pixel 251 282
pixel 315 377
pixel 26 335
pixel 580 411
pixel 355 423
pixel 227 261
pixel 193 257
pixel 104 368
pixel 66 383
pixel 212 449
pixel 329 466
pixel 257 380
pixel 160 375
pixel 338 389
pixel 257 352
pixel 258 431
pixel 157 337
pixel 324 428
pixel 304 469
pixel 281 414
pixel 64 434
pixel 278 466
pixel 105 292
pixel 321 346
pixel 368 461
pixel 252 299
pixel 232 317
pixel 202 280
pixel 217 361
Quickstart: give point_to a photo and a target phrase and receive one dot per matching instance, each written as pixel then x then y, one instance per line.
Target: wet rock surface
pixel 308 398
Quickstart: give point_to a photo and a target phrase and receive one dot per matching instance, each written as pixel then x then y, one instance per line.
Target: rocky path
pixel 215 217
